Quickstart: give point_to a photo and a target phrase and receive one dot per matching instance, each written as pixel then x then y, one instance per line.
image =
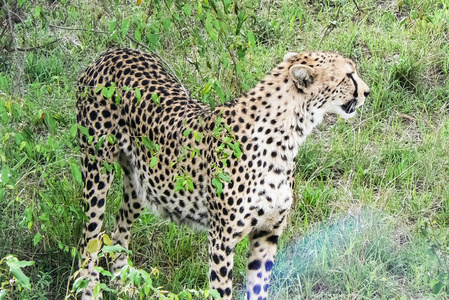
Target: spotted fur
pixel 269 122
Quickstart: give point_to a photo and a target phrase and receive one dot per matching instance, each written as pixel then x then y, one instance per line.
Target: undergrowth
pixel 371 213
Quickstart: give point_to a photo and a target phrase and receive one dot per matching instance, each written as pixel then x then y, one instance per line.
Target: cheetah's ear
pixel 289 55
pixel 302 75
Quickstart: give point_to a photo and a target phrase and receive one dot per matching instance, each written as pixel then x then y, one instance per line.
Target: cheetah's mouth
pixel 349 107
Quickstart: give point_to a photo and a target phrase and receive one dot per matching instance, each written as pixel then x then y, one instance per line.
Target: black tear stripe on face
pixel 356 94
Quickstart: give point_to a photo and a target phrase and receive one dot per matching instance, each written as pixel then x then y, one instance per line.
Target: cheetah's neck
pixel 281 117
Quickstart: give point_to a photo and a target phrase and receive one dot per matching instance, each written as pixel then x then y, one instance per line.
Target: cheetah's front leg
pixel 260 262
pixel 221 262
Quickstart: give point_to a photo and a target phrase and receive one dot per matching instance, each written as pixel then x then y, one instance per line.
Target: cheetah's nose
pixel 366 94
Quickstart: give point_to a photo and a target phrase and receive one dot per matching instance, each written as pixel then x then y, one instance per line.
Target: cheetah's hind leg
pixel 96 187
pixel 130 210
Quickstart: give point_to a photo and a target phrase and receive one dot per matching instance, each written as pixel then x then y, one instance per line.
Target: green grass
pixel 371 211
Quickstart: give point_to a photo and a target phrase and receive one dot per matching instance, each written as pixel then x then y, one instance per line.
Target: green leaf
pixel 37 12
pixel 436 286
pixel 226 4
pixel 187 132
pixel 217 129
pixel 251 39
pixel 225 60
pixel 236 148
pixel 118 169
pixel 184 294
pixel 138 95
pixel 84 130
pixel 241 18
pixel 167 24
pixel 241 52
pixel 125 27
pixel 124 273
pixel 15 267
pixel 49 121
pixel 93 246
pixel 103 271
pixel 76 173
pixel 104 287
pixel 73 131
pixel 80 283
pixel 107 167
pixel 107 240
pixel 97 290
pixel 190 185
pixel 117 99
pixel 227 140
pixel 156 99
pixel 44 217
pixel 218 185
pixel 115 248
pixel 138 35
pixel 147 143
pixel 219 91
pixel 187 9
pixel 198 136
pixel 215 294
pixel 2 192
pixel 153 39
pixel 73 252
pixel 37 238
pixel 98 88
pixel 108 92
pixel 112 139
pixel 179 183
pixel 100 143
pixel 112 25
pixel 222 176
pixel 213 34
pixel 153 162
pixel 442 277
pixel 105 92
pixel 207 88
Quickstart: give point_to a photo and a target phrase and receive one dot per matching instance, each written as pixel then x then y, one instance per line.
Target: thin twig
pixel 356 5
pixel 19 62
pixel 148 48
pixel 174 74
pixel 3 32
pixel 11 28
pixel 33 48
pixel 235 69
pixel 17 16
pixel 77 29
pixel 163 60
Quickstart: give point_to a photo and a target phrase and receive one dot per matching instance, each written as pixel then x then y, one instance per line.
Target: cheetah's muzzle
pixel 349 107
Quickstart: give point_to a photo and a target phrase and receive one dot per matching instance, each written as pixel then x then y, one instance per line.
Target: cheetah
pixel 252 142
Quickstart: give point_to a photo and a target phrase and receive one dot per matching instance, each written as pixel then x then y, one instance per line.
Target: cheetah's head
pixel 330 80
